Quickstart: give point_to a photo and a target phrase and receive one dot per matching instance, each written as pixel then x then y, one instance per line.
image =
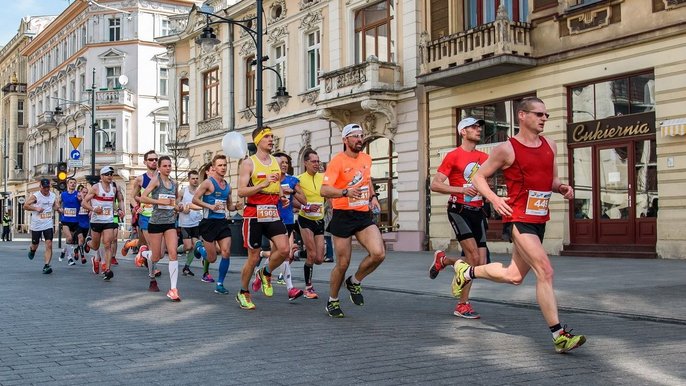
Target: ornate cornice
pixel 311 20
pixel 277 35
pixel 277 11
pixel 247 48
pixel 310 96
pixel 337 116
pixel 384 108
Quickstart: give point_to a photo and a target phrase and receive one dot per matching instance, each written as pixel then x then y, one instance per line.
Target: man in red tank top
pixel 528 164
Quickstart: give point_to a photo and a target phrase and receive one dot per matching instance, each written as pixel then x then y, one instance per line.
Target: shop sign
pixel 623 126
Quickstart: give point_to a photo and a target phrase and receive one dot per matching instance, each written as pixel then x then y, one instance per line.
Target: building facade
pixel 612 76
pixel 340 62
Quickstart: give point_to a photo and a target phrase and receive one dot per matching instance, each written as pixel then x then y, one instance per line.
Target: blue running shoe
pixel 221 290
pixel 32 254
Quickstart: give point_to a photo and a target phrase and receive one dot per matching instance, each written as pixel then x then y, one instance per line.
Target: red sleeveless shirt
pixel 529 182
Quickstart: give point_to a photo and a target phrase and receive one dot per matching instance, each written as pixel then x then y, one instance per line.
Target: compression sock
pixel 308 274
pixel 190 256
pixel 173 273
pixel 223 270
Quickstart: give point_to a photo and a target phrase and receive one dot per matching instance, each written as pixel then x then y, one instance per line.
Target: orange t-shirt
pixel 347 172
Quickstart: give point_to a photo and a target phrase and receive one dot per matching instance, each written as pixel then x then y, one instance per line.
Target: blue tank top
pixel 286 213
pixel 218 196
pixel 70 207
pixel 84 218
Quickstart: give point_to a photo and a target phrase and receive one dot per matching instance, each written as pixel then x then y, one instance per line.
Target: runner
pixel 161 193
pixel 311 218
pixel 214 196
pixel 348 183
pixel 100 202
pixel 144 210
pixel 259 180
pixel 189 219
pixel 42 204
pixel 528 164
pixel 83 218
pixel 465 206
pixel 69 204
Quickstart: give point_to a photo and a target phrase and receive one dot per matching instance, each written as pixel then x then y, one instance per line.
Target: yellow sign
pixel 75 141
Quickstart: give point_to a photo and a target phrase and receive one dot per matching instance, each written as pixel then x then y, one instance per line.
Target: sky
pixel 12 11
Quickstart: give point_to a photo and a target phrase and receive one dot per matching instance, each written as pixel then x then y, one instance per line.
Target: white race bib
pixel 69 212
pixel 45 214
pixel 267 213
pixel 221 206
pixel 162 196
pixel 537 203
pixel 362 200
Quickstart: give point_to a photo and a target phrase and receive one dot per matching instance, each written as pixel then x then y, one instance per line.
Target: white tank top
pixel 42 221
pixel 192 219
pixel 105 200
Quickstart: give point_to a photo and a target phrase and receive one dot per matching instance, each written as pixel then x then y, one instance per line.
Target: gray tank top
pixel 163 214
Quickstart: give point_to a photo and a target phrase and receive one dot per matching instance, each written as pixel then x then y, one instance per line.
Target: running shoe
pixel 187 271
pixel 86 248
pixel 32 254
pixel 173 294
pixel 96 265
pixel 157 273
pixel 244 301
pixel 153 286
pixel 71 261
pixel 437 264
pixel 328 259
pixel 207 278
pixel 310 294
pixel 114 261
pixel 280 280
pixel 108 275
pixel 567 341
pixel 294 293
pixel 459 280
pixel 62 255
pixel 355 292
pixel 333 308
pixel 266 283
pixel 47 269
pixel 219 289
pixel 257 282
pixel 139 260
pixel 466 311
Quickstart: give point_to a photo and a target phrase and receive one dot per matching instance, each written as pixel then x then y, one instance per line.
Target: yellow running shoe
pixel 567 341
pixel 459 280
pixel 266 283
pixel 244 301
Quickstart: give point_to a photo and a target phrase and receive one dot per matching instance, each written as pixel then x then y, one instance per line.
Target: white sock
pixel 69 250
pixel 96 253
pixel 287 276
pixel 148 256
pixel 173 272
pixel 332 299
pixel 353 279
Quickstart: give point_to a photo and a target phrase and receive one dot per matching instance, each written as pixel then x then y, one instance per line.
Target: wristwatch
pixel 345 192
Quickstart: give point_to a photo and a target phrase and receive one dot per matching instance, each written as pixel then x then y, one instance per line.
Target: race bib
pixel 363 200
pixel 315 209
pixel 83 211
pixel 45 214
pixel 267 213
pixel 221 206
pixel 166 197
pixel 106 211
pixel 537 203
pixel 69 212
pixel 468 198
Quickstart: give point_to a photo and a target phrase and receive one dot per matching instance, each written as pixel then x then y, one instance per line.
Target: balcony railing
pixel 371 75
pixel 114 97
pixel 210 125
pixel 17 175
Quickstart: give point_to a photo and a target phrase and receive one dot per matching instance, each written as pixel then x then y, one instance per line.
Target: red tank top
pixel 529 182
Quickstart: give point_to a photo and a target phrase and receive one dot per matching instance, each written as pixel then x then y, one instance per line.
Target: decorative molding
pixel 276 142
pixel 243 33
pixel 385 109
pixel 671 4
pixel 337 116
pixel 210 125
pixel 352 76
pixel 277 11
pixel 589 21
pixel 207 156
pixel 274 106
pixel 369 125
pixel 208 60
pixel 311 20
pixel 310 97
pixel 306 137
pixel 246 114
pixel 277 35
pixel 305 4
pixel 247 48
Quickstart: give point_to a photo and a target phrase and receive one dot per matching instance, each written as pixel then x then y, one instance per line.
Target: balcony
pixel 46 121
pixel 16 175
pixel 121 97
pixel 14 87
pixel 44 171
pixel 484 52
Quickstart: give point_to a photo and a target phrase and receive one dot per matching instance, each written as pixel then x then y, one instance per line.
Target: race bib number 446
pixel 537 202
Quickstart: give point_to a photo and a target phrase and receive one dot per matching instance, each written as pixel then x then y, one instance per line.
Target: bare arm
pixel 136 189
pixel 438 185
pixel 145 196
pixel 86 203
pixel 120 200
pixel 28 205
pixel 299 195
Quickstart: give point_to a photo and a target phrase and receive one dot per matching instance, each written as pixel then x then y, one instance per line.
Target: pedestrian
pixel 42 205
pixel 465 206
pixel 214 196
pixel 347 182
pixel 68 205
pixel 100 201
pixel 189 220
pixel 161 193
pixel 259 182
pixel 530 171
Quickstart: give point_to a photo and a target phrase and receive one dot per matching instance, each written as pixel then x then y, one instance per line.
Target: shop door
pixel 614 212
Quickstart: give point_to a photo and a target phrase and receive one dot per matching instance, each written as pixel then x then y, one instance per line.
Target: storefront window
pixel 646 179
pixel 610 98
pixel 614 183
pixel 500 117
pixel 583 184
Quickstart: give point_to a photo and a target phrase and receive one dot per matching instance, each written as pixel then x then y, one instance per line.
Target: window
pixel 164 80
pixel 185 101
pixel 211 94
pixel 313 59
pixel 280 64
pixel 163 137
pixel 107 131
pixel 20 113
pixel 82 82
pixel 20 155
pixel 114 28
pixel 165 27
pixel 479 12
pixel 249 82
pixel 384 177
pixel 373 32
pixel 609 98
pixel 112 75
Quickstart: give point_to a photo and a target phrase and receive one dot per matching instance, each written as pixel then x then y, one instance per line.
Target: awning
pixel 673 127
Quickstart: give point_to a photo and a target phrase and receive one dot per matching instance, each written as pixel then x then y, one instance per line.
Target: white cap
pixel 469 121
pixel 350 128
pixel 107 169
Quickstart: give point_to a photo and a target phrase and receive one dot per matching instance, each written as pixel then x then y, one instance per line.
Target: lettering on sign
pixel 623 126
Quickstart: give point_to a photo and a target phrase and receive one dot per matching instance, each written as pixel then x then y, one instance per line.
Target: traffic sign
pixel 75 163
pixel 75 154
pixel 75 141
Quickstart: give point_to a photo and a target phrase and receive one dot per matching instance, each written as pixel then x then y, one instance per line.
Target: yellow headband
pixel 262 134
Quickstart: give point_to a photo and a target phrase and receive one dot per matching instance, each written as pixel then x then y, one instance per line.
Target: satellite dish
pixel 123 80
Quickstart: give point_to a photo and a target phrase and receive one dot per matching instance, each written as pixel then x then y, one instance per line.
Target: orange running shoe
pixel 173 294
pixel 140 260
pixel 128 245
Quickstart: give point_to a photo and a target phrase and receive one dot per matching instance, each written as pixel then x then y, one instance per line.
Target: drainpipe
pixel 427 159
pixel 232 94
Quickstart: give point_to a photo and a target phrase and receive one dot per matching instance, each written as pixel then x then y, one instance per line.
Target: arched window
pixel 384 177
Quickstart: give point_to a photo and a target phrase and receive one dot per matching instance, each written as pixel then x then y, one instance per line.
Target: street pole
pixel 93 128
pixel 258 91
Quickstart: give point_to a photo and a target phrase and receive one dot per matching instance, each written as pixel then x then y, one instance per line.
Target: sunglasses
pixel 108 174
pixel 355 136
pixel 152 159
pixel 538 114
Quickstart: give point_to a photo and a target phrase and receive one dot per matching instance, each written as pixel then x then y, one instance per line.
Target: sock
pixel 266 271
pixel 308 275
pixel 244 291
pixel 223 270
pixel 173 272
pixel 287 276
pixel 259 261
pixel 353 279
pixel 333 299
pixel 556 330
pixel 205 267
pixel 69 250
pixel 148 256
pixel 190 256
pixel 96 254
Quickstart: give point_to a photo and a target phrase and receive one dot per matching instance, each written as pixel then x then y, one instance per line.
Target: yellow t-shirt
pixel 311 185
pixel 261 171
